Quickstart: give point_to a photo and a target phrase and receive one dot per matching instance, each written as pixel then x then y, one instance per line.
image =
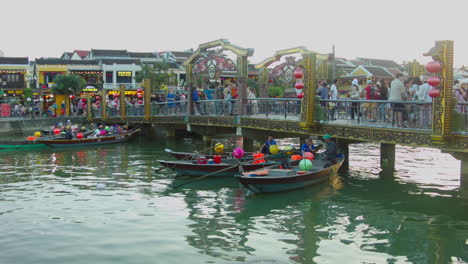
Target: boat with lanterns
pixel 91 141
pixel 275 179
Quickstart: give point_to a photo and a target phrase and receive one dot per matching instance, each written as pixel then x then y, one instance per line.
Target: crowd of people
pixel 409 102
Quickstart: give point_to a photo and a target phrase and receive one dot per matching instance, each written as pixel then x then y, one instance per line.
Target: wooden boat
pixel 227 167
pixel 21 144
pixel 277 180
pixel 224 155
pixel 115 138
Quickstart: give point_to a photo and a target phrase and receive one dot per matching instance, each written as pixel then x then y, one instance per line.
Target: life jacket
pixel 258 155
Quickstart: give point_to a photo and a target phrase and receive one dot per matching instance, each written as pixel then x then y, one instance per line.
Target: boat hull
pixel 21 144
pixel 194 169
pixel 64 143
pixel 267 184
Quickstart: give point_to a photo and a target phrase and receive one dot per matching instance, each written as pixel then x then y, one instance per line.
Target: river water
pixel 106 205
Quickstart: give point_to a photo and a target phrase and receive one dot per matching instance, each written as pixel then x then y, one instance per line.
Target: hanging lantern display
pixel 298 73
pixel 433 81
pixel 433 67
pixel 300 95
pixel 139 89
pixel 72 96
pixel 98 97
pixel 139 95
pixel 434 93
pixel 238 153
pixel 140 101
pixel 299 85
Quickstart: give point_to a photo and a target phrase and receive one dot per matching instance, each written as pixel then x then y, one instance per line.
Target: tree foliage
pixel 275 91
pixel 68 84
pixel 158 73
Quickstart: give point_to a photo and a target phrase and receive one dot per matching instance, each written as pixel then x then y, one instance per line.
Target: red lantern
pixel 139 89
pixel 79 135
pixel 98 97
pixel 270 80
pixel 299 85
pixel 44 86
pixel 140 101
pixel 72 97
pixel 434 93
pixel 433 81
pixel 298 73
pixel 83 100
pixel 56 131
pixel 300 95
pixel 139 95
pixel 433 67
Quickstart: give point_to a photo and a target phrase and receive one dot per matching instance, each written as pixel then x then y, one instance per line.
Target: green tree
pixel 158 73
pixel 275 91
pixel 27 93
pixel 68 83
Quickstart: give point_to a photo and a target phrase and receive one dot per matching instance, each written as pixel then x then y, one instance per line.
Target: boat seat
pixel 281 172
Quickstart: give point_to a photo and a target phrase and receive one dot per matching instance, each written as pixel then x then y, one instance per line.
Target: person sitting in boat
pixel 309 147
pixel 265 149
pixel 68 133
pixel 330 153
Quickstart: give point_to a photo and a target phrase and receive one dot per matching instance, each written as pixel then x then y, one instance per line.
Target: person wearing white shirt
pixel 333 95
pixel 425 109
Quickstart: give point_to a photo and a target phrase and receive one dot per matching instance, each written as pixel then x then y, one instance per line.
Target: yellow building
pixel 14 75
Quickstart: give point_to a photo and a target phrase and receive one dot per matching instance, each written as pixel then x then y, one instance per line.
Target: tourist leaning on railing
pixel 425 109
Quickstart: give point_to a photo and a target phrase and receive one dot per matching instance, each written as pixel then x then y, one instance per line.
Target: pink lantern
pixel 433 81
pixel 300 95
pixel 139 95
pixel 79 135
pixel 103 132
pixel 56 131
pixel 434 93
pixel 433 67
pixel 83 100
pixel 140 101
pixel 299 85
pixel 308 155
pixel 298 73
pixel 238 153
pixel 98 97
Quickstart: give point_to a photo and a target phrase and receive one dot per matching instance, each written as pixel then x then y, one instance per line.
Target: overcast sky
pixel 400 30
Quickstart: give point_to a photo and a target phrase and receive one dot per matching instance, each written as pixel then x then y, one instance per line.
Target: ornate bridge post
pixel 89 107
pixel 190 83
pixel 442 106
pixel 308 103
pixel 242 82
pixel 263 82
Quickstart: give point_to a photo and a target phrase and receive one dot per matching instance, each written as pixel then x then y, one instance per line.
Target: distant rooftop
pixel 14 60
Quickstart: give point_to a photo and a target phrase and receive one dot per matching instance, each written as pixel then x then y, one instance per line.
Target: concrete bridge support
pixel 387 157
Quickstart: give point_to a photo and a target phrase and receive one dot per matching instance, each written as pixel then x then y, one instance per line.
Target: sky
pixel 400 30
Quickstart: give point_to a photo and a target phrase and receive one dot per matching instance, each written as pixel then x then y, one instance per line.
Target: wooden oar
pixel 225 169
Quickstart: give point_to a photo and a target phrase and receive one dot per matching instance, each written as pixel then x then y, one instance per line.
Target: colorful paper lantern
pixel 31 138
pixel 37 134
pixel 238 153
pixel 103 132
pixel 433 81
pixel 274 149
pixel 298 73
pixel 289 150
pixel 433 67
pixel 219 147
pixel 300 95
pixel 305 165
pixel 434 93
pixel 308 155
pixel 299 85
pixel 56 131
pixel 79 135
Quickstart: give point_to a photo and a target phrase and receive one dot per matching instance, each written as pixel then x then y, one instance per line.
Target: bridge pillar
pixel 343 146
pixel 248 144
pixel 463 157
pixel 387 157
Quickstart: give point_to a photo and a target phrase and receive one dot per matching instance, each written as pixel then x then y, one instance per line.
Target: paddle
pixel 203 150
pixel 225 169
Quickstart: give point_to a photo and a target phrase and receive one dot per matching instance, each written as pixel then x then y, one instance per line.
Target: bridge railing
pixel 274 108
pixel 376 113
pixel 169 108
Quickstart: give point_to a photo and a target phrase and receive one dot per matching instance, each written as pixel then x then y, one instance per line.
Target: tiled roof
pixel 109 53
pixel 119 61
pixel 14 60
pixel 57 61
pixel 380 62
pixel 82 53
pixel 181 54
pixel 142 55
pixel 378 71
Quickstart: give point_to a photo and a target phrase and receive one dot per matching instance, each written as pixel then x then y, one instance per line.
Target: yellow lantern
pixel 289 150
pixel 274 149
pixel 37 134
pixel 219 147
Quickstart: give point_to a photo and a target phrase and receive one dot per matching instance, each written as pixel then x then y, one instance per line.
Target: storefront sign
pixel 124 74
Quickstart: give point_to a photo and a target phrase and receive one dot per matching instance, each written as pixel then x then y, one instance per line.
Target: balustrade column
pixel 104 104
pixel 242 75
pixel 89 107
pixel 147 99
